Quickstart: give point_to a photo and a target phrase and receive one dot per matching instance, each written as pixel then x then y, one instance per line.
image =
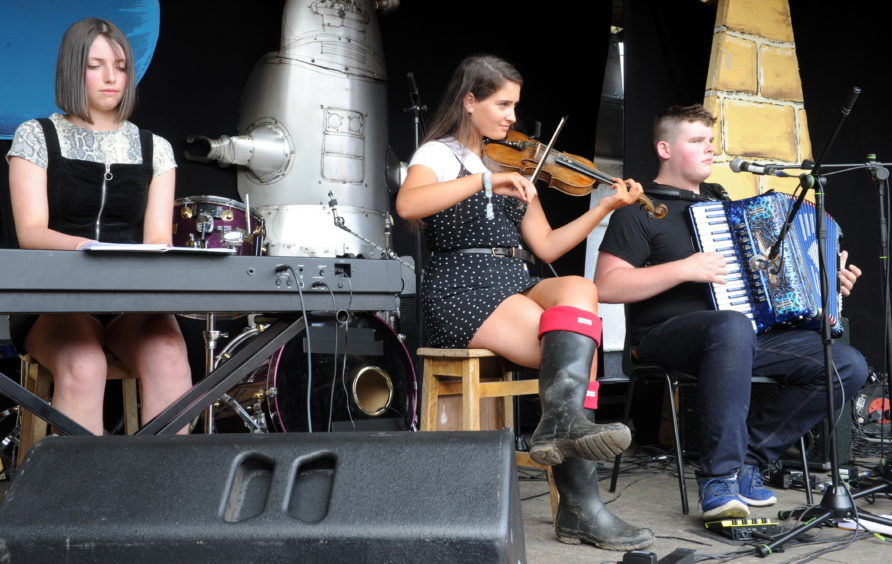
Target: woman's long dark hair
pixel 481 75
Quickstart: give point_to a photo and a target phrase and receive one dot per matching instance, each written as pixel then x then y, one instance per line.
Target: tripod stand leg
pixel 764 550
pixel 806 474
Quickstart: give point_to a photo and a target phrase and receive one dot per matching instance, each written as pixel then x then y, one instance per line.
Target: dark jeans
pixel 721 350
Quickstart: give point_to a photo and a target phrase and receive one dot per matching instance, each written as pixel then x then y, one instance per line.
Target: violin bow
pixel 551 143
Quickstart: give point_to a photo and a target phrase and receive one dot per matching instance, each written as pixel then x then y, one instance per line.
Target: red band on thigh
pixel 569 318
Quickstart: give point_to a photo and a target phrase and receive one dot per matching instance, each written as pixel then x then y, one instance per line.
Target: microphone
pixel 413 88
pixel 850 100
pixel 740 165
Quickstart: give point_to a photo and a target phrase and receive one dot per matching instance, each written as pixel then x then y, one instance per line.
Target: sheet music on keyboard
pixel 152 248
pixel 786 293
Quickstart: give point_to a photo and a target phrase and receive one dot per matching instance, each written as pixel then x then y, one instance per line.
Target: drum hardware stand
pixel 235 239
pixel 388 222
pixel 255 423
pixel 211 335
pixel 10 442
pixel 837 502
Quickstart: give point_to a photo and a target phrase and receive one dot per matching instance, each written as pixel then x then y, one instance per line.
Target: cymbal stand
pixel 211 336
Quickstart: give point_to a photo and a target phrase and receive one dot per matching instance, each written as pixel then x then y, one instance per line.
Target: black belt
pixel 501 252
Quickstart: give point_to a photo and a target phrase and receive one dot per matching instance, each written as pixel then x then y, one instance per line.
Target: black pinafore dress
pixel 460 291
pixel 77 205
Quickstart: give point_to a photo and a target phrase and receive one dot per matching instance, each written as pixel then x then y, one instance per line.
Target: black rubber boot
pixel 583 517
pixel 565 429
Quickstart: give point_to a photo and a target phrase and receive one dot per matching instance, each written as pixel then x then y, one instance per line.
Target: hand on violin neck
pixel 625 192
pixel 514 185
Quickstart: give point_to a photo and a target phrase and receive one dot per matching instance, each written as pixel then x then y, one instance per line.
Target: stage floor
pixel 647 495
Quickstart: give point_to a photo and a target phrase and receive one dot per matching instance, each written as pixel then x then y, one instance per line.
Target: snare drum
pixel 212 222
pixel 362 379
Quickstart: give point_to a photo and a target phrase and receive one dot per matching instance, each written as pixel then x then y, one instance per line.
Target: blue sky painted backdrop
pixel 30 33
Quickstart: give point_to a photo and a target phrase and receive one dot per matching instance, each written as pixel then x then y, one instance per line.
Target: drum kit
pixel 349 371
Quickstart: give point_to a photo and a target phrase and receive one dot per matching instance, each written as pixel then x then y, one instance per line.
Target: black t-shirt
pixel 643 241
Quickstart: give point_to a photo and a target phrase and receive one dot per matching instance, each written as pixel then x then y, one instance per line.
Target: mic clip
pixel 761 263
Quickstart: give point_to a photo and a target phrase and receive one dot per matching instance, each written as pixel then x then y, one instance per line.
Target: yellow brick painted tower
pixel 753 88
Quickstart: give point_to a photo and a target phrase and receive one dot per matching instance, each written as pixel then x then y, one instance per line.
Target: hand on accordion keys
pixel 707 267
pixel 847 274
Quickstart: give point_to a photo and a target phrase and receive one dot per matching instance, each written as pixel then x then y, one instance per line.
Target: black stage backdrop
pixel 206 51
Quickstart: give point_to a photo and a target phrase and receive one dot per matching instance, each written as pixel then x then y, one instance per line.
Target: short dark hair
pixel 71 67
pixel 481 75
pixel 666 123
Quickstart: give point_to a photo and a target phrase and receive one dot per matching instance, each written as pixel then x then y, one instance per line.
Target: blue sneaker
pixel 720 499
pixel 752 489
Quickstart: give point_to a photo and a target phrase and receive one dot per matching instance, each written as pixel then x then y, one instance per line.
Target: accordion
pixel 788 292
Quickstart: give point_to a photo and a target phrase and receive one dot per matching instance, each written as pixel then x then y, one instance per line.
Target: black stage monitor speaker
pixel 297 497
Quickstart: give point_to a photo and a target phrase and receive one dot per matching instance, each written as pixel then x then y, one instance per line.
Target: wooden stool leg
pixel 553 492
pixel 507 400
pixel 429 397
pixel 466 365
pixel 471 395
pixel 131 405
pixel 38 381
pixel 129 390
pixel 523 459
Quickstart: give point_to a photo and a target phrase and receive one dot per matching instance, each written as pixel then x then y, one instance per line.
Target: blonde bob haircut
pixel 71 67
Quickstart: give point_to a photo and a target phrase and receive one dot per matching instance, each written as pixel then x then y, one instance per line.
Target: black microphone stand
pixel 416 109
pixel 837 502
pixel 880 175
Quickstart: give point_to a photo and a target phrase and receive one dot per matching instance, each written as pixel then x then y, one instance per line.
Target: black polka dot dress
pixel 460 291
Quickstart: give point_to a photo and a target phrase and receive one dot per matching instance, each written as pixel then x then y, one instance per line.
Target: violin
pixel 570 174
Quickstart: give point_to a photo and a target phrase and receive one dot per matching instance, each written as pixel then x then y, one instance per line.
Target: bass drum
pixel 362 379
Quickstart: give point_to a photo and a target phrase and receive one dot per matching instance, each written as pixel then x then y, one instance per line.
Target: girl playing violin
pixel 477 291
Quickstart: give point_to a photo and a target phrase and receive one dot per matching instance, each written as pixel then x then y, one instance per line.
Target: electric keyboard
pixel 81 281
pixel 137 282
pixel 789 291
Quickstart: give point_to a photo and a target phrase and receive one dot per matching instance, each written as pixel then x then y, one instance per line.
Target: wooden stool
pixel 38 380
pixel 460 372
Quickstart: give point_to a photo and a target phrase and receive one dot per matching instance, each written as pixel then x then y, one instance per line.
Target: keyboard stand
pixel 60 422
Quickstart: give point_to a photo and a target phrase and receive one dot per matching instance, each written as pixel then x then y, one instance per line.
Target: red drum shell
pixel 203 221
